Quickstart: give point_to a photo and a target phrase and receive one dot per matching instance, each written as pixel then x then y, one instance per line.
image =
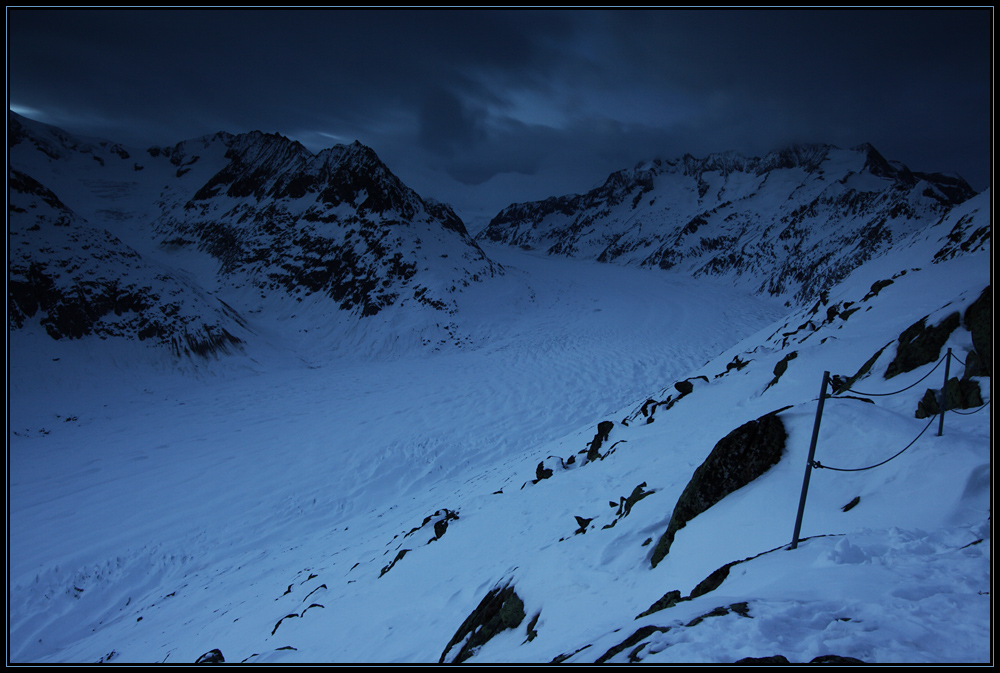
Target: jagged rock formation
pixel 779 659
pixel 793 222
pixel 959 394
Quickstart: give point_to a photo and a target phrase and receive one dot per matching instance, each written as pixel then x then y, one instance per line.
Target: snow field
pixel 255 510
pixel 202 471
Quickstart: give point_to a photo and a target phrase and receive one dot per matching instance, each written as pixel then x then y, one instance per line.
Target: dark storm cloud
pixel 471 96
pixel 246 64
pixel 903 80
pixel 446 125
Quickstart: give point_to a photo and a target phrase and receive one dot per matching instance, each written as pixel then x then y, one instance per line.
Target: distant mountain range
pixel 179 245
pixel 793 222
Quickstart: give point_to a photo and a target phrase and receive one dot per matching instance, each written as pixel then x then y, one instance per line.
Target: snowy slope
pixel 360 511
pixel 789 224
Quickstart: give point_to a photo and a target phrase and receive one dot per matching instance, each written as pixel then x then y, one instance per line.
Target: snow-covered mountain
pixel 608 470
pixel 79 281
pixel 791 223
pixel 337 223
pixel 251 224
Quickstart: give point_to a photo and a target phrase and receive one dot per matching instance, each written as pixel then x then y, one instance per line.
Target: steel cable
pixel 817 465
pixel 969 413
pixel 858 392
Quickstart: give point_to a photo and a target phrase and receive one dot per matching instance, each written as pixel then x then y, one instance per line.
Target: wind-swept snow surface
pixel 357 505
pixel 119 484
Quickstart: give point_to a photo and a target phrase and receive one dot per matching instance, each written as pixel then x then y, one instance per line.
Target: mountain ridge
pixel 752 219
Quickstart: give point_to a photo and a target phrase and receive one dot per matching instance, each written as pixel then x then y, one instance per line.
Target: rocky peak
pixel 354 174
pixel 255 161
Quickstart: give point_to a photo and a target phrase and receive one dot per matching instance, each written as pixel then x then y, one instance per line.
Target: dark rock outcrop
pixel 651 406
pixel 781 368
pixel 625 505
pixel 835 659
pixel 979 321
pixel 775 660
pixel 839 385
pixel 920 345
pixel 638 493
pixel 736 363
pixel 399 557
pixel 645 632
pixel 634 639
pixel 603 430
pixel 960 394
pixel 781 660
pixel 542 472
pixel 440 519
pixel 740 457
pixel 741 609
pixel 499 610
pixel 211 657
pixel 668 600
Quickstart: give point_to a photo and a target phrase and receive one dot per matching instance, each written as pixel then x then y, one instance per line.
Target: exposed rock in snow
pixel 211 657
pixel 500 609
pixel 920 344
pixel 979 321
pixel 740 457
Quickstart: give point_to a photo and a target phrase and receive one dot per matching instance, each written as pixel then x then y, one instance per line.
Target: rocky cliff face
pixel 791 223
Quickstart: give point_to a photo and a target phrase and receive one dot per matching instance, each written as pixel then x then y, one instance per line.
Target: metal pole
pixel 809 461
pixel 944 393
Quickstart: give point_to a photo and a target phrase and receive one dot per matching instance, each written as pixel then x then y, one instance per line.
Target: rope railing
pixel 811 463
pixel 903 390
pixel 969 413
pixel 817 465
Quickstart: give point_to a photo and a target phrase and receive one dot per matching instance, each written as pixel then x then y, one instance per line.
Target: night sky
pixel 483 108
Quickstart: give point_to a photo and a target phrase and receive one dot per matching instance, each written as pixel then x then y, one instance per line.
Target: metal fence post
pixel 809 461
pixel 944 393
